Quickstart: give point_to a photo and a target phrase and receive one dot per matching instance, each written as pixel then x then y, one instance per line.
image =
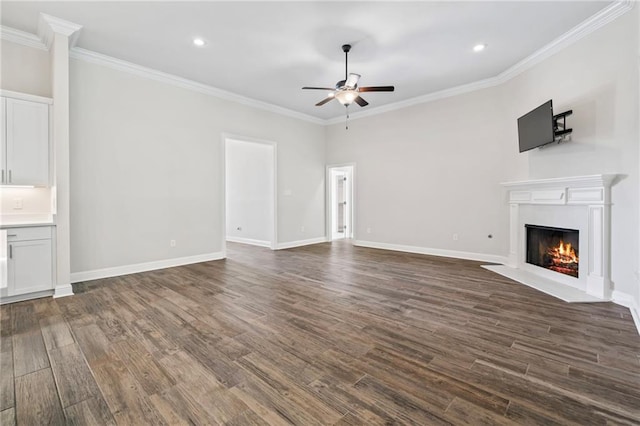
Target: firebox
pixel 553 248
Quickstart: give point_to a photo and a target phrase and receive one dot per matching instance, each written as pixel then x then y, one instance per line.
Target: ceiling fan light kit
pixel 347 91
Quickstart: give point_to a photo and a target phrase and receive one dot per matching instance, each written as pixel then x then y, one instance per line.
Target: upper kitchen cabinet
pixel 25 142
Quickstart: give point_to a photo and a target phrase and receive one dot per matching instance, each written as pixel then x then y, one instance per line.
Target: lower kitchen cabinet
pixel 29 261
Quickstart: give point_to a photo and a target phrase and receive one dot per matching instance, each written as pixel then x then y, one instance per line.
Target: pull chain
pixel 346 122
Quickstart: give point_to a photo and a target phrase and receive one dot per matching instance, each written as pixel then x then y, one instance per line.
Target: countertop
pixel 22 221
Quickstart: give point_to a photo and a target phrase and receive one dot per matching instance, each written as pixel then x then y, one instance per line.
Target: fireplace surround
pixel 581 204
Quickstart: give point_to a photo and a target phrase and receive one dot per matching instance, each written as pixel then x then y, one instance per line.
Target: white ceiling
pixel 269 50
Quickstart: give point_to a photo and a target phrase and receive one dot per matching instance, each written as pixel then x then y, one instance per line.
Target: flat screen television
pixel 536 128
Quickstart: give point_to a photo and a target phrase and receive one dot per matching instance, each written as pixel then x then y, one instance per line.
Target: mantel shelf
pixel 590 181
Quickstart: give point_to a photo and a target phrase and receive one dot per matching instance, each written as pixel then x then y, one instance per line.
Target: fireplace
pixel 569 207
pixel 555 249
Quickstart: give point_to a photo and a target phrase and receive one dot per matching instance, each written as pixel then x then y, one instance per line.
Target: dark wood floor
pixel 324 334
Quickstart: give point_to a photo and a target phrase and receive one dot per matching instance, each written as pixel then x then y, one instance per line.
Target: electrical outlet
pixel 17 203
pixel 302 229
pixel 239 228
pixel 368 230
pixel 172 243
pixel 455 237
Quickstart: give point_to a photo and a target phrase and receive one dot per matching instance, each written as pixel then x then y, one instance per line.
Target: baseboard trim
pixel 635 314
pixel 300 243
pixel 623 299
pixel 259 243
pixel 116 271
pixel 63 291
pixel 628 301
pixel 480 257
pixel 23 297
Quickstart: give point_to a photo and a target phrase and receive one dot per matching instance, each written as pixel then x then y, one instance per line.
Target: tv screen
pixel 536 127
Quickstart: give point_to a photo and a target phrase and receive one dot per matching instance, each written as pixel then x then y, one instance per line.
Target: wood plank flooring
pixel 323 334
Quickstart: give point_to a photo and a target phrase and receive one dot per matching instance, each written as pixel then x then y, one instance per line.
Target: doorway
pixel 340 197
pixel 250 194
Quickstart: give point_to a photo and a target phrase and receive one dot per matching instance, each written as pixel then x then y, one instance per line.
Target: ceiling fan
pixel 347 90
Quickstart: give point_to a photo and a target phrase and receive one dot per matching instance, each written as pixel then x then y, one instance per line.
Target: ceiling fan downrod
pixel 346 48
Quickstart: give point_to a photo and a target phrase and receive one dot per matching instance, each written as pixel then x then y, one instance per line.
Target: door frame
pixel 351 201
pixel 223 190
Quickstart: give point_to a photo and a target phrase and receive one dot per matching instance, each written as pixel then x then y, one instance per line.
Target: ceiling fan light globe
pixel 346 97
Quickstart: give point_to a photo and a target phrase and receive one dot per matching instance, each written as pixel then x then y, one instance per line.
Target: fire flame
pixel 564 253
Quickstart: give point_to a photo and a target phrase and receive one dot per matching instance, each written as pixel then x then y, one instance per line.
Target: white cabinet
pixel 24 154
pixel 30 260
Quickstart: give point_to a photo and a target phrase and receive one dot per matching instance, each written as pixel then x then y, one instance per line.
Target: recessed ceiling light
pixel 479 47
pixel 199 42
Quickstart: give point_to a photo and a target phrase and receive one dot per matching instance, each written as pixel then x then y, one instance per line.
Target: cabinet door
pixel 27 143
pixel 30 267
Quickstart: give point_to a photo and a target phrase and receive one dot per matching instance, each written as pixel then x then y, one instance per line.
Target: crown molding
pixel 430 97
pixel 49 25
pixel 583 29
pixel 21 37
pixel 586 27
pixel 120 65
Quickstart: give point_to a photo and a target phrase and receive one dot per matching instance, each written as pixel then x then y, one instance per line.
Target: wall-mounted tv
pixel 536 128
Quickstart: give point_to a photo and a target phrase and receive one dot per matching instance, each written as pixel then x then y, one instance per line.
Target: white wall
pixel 146 168
pixel 249 190
pixel 429 171
pixel 25 69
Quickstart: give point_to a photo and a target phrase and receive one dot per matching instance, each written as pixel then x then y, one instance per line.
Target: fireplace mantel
pixel 584 200
pixel 574 182
pixel 593 189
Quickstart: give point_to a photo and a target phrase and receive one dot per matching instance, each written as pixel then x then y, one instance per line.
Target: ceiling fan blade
pixel 361 101
pixel 377 89
pixel 324 101
pixel 352 80
pixel 330 89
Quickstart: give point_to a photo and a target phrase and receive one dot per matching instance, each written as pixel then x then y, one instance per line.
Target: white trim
pixel 63 291
pixel 21 37
pixel 586 27
pixel 636 318
pixel 588 181
pixel 481 257
pixel 115 271
pixel 120 65
pixel 622 299
pixel 259 243
pixel 300 243
pixel 49 25
pixel 627 301
pixel 27 296
pixel 327 199
pixel 25 97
